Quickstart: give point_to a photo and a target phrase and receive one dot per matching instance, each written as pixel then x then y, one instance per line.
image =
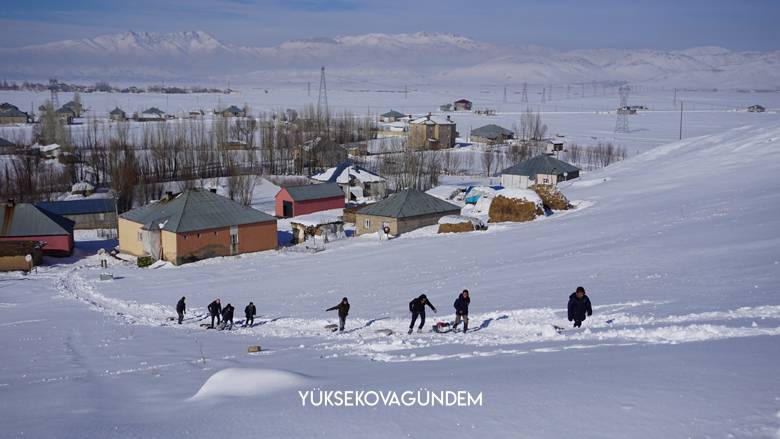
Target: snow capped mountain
pixel 198 56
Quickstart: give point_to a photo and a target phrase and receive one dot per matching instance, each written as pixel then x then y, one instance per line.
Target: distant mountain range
pixel 381 59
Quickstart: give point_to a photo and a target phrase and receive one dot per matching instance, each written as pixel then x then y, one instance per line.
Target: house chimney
pixel 429 116
pixel 448 118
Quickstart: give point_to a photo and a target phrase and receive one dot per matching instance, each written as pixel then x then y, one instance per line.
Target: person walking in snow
pixel 343 308
pixel 215 309
pixel 227 316
pixel 417 308
pixel 181 308
pixel 250 312
pixel 462 310
pixel 579 305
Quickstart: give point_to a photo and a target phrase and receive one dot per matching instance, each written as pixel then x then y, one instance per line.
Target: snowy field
pixel 584 120
pixel 677 248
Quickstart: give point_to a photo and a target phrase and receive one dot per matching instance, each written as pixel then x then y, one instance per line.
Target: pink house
pixel 301 200
pixel 27 222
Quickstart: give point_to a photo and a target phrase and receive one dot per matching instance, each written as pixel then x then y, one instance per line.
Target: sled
pixel 332 327
pixel 443 327
pixel 384 331
pixel 559 329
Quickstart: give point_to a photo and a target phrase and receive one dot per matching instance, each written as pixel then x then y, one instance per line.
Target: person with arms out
pixel 250 311
pixel 215 309
pixel 181 308
pixel 462 310
pixel 343 308
pixel 417 308
pixel 579 305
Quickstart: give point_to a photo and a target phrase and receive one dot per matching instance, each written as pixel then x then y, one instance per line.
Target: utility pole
pixel 544 91
pixel 322 98
pixel 681 112
pixel 524 98
pixel 406 92
pixel 308 88
pixel 505 94
pixel 675 98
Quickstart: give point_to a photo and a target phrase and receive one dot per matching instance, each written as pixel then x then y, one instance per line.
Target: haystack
pixel 552 198
pixel 459 224
pixel 505 208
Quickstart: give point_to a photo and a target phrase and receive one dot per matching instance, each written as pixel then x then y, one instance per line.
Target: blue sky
pixel 564 24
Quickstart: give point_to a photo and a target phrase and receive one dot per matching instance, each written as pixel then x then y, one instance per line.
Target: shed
pixel 403 212
pixel 322 226
pixel 541 169
pixel 13 255
pixel 27 222
pixel 193 225
pixel 301 200
pixel 117 114
pixel 89 213
pixel 391 116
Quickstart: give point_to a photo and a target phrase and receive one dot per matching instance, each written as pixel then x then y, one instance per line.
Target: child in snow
pixel 579 305
pixel 462 310
pixel 227 316
pixel 215 309
pixel 250 312
pixel 417 308
pixel 343 308
pixel 181 308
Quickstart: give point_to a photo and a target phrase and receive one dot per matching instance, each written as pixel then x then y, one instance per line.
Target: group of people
pixel 578 309
pixel 224 316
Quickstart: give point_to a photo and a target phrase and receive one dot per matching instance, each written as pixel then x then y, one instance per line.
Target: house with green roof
pixel 403 212
pixel 193 225
pixel 542 169
pixel 28 222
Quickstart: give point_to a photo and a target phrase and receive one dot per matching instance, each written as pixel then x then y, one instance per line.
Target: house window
pixel 198 235
pixel 367 224
pixel 233 239
pixel 140 236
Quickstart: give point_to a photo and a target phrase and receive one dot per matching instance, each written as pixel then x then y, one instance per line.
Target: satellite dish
pixel 28 258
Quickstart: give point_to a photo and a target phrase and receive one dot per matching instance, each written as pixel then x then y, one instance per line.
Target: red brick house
pixel 301 200
pixel 27 222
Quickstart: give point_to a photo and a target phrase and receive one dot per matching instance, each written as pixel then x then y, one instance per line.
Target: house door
pixel 233 240
pixel 287 209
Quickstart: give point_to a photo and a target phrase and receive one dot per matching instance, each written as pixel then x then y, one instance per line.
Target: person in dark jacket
pixel 343 308
pixel 215 309
pixel 181 308
pixel 227 316
pixel 462 310
pixel 250 312
pixel 417 308
pixel 579 305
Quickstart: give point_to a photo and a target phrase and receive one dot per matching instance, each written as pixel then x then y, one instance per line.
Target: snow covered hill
pixel 419 57
pixel 677 248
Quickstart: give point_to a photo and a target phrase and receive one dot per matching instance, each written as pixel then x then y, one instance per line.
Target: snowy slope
pixel 677 247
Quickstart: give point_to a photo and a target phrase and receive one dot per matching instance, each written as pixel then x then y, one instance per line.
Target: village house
pixel 317 154
pixel 193 225
pixel 542 169
pixel 232 111
pixel 301 200
pixel 491 133
pixel 463 105
pixel 20 255
pixel 28 222
pixel 391 116
pixel 152 114
pixel 117 114
pixel 432 132
pixel 10 114
pixel 89 213
pixel 74 107
pixel 356 149
pixel 403 212
pixel 7 147
pixel 65 114
pixel 357 183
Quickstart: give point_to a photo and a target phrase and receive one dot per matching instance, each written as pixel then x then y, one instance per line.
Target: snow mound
pixel 234 382
pixel 520 194
pixel 460 219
